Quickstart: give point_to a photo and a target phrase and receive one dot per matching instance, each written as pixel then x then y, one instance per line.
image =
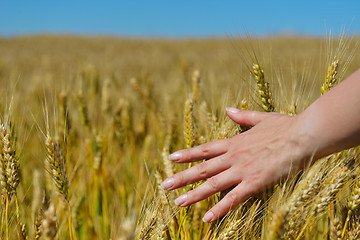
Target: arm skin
pixel 276 146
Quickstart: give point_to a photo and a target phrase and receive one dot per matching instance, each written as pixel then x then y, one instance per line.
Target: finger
pixel 204 151
pixel 213 185
pixel 246 117
pixel 196 173
pixel 239 194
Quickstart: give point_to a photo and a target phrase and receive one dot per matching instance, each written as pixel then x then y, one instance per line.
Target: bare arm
pixel 275 147
pixel 333 121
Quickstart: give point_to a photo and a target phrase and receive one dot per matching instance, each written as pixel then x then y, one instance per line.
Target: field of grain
pixel 87 125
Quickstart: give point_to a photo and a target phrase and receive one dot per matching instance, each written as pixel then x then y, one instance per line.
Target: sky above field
pixel 197 18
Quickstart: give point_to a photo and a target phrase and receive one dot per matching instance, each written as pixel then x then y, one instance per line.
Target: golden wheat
pixel 114 149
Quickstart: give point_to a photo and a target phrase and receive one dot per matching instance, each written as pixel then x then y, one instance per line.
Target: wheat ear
pixel 23 234
pixel 147 230
pixel 330 79
pixel 48 224
pixel 84 110
pixel 298 203
pixel 138 89
pixel 195 86
pixel 10 161
pixel 264 91
pixel 64 109
pixel 353 202
pixel 11 173
pixel 40 217
pixel 3 163
pixel 335 229
pixel 244 105
pixel 56 167
pixel 57 171
pixel 328 195
pixel 189 126
pixel 354 232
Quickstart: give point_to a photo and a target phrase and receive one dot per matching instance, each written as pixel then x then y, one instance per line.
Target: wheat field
pixel 87 125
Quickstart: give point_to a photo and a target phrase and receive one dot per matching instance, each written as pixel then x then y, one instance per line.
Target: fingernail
pixel 168 183
pixel 180 200
pixel 208 217
pixel 232 110
pixel 175 156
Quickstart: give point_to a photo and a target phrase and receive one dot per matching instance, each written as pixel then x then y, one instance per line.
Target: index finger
pixel 204 151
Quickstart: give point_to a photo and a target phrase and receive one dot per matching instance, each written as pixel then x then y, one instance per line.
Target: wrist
pixel 309 143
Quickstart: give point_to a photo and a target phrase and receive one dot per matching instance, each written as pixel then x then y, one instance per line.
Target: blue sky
pixel 196 18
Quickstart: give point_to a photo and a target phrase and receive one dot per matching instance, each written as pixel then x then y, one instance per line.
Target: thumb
pixel 246 117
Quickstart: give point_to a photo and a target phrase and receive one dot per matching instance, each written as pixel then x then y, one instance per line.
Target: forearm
pixel 332 123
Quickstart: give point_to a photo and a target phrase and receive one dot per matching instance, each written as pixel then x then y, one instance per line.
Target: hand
pixel 251 161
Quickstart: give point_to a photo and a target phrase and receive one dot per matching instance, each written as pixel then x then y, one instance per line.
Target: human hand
pixel 251 161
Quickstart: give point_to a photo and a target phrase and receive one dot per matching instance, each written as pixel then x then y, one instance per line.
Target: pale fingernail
pixel 180 200
pixel 232 110
pixel 175 156
pixel 168 183
pixel 208 217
